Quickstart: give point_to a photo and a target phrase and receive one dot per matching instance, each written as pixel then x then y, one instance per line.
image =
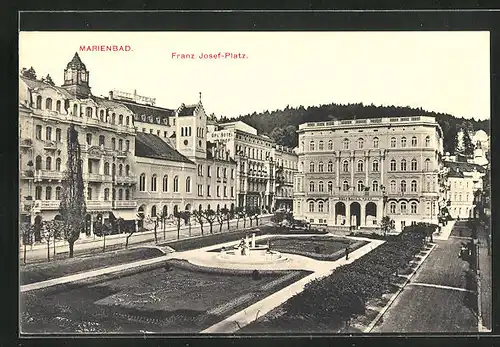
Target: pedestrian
pixel 347 253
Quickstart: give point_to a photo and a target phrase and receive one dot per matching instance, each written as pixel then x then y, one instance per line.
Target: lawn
pixel 32 273
pixel 177 301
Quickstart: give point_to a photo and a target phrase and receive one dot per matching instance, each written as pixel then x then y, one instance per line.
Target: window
pixel 58 164
pixel 232 173
pixel 360 165
pixel 120 194
pixel 48 133
pixel 427 141
pixel 48 193
pixel 392 207
pixel 413 186
pixel 320 146
pixel 320 186
pixel 375 166
pixel 38 193
pixel 218 172
pixel 320 206
pixel 48 105
pixel 393 186
pixel 218 191
pixel 89 139
pixel 427 164
pixel 127 121
pixel 39 102
pixel 142 183
pixel 120 119
pixel 58 135
pixel 393 165
pixel 403 186
pixel 330 145
pixel 311 167
pixel 153 183
pixel 330 186
pixel 403 207
pixel 414 165
pixel 101 115
pixel 113 119
pixel 58 193
pixel 75 110
pixel 232 190
pixel 345 166
pixel 330 166
pixel 225 191
pixel 224 172
pixel 361 143
pixel 403 142
pixel 311 186
pixel 403 165
pixel 345 186
pixel 176 184
pixel 127 170
pixel 120 170
pixel 88 112
pixel 38 162
pixel 375 142
pixel 413 207
pixel 393 142
pixel 106 168
pixel 188 184
pixel 361 186
pixel 127 145
pixel 48 163
pixel 208 190
pixel 89 193
pixel 106 194
pixel 101 140
pixel 311 206
pixel 113 143
pixel 375 186
pixel 311 146
pixel 209 171
pixel 38 132
pixel 320 166
pixel 58 106
pixel 345 144
pixel 414 141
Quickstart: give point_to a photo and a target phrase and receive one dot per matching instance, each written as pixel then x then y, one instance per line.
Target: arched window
pixel 75 110
pixel 302 145
pixel 361 186
pixel 58 105
pixel 392 207
pixel 330 145
pixel 106 194
pixel 413 207
pixel 127 120
pixel 311 186
pixel 403 207
pixel 58 164
pixel 375 186
pixel 393 142
pixel 127 170
pixel 330 166
pixel 58 193
pixel 414 141
pixel 127 194
pixel 113 169
pixel 361 143
pixel 393 186
pixel 88 111
pixel 48 104
pixel 102 140
pixel 188 183
pixel 311 206
pixel 345 166
pixel 393 164
pixel 120 170
pixel 360 165
pixel 113 143
pixel 38 193
pixel 311 167
pixel 414 165
pixel 38 162
pixel 89 139
pixel 48 163
pixel 345 144
pixel 403 165
pixel 120 119
pixel 142 182
pixel 153 211
pixel 320 146
pixel 120 194
pixel 176 184
pixel 48 133
pixel 320 186
pixel 48 193
pixel 375 166
pixel 345 186
pixel 165 183
pixel 89 193
pixel 106 168
pixel 375 142
pixel 330 186
pixel 320 166
pixel 39 102
pixel 101 115
pixel 120 145
pixel 113 118
pixel 427 164
pixel 413 186
pixel 403 142
pixel 311 146
pixel 403 186
pixel 427 141
pixel 320 206
pixel 153 183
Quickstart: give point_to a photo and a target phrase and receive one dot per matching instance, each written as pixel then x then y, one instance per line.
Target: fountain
pixel 246 252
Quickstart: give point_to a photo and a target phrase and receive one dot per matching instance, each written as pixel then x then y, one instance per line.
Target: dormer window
pixel 143 118
pixel 158 120
pixel 150 119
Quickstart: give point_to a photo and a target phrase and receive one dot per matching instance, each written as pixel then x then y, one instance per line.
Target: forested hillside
pixel 282 124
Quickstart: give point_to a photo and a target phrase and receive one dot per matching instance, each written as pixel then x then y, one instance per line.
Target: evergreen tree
pixel 48 80
pixel 467 144
pixel 72 207
pixel 29 73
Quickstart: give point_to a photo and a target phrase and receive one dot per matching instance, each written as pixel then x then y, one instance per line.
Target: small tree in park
pixel 239 213
pixel 256 213
pixel 163 218
pixel 210 217
pixel 221 217
pixel 52 229
pixel 72 207
pixel 198 215
pixel 186 215
pixel 132 230
pixel 386 225
pixel 27 233
pixel 249 211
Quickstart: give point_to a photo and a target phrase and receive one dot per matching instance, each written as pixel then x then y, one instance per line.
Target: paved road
pixel 436 299
pixel 113 242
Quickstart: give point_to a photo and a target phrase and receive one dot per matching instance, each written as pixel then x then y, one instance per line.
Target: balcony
pixel 48 175
pixel 117 204
pixel 98 205
pixel 26 174
pixel 26 143
pixel 92 177
pixel 46 205
pixel 126 179
pixel 121 154
pixel 50 145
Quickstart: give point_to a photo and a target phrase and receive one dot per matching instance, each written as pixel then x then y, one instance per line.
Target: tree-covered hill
pixel 282 124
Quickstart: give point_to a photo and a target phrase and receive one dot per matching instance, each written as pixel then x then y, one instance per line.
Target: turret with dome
pixel 76 78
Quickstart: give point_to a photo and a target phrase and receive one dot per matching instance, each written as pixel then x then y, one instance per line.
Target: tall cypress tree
pixel 468 145
pixel 72 207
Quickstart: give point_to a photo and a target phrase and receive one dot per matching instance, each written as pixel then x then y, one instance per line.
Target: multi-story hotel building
pixel 286 168
pixel 354 172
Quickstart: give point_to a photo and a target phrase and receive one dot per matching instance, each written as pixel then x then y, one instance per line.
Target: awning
pixel 125 214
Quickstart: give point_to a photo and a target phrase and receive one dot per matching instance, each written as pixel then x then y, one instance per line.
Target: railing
pixel 27 143
pixel 124 204
pixel 368 121
pixel 126 179
pixel 51 145
pixel 48 175
pixel 98 204
pixel 46 205
pixel 92 177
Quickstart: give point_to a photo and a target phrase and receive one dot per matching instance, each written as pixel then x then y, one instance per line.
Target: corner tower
pixel 76 78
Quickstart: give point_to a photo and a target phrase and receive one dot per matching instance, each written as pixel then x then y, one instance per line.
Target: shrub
pixel 256 275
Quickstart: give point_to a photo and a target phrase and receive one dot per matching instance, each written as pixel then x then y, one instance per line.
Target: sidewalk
pixel 485 277
pixel 445 231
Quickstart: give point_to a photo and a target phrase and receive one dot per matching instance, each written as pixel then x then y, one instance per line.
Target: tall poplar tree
pixel 72 207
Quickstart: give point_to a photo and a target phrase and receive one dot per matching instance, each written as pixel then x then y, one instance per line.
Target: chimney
pixel 110 95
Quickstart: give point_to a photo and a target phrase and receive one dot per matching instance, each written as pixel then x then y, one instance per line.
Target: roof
pixel 152 146
pixel 37 84
pixel 106 102
pixel 456 174
pixel 463 166
pixel 76 63
pixel 147 110
pixel 187 110
pixel 211 147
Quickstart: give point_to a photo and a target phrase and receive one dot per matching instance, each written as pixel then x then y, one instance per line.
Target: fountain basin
pixel 257 255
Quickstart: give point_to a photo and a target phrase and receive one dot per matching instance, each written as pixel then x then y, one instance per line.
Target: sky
pixel 445 72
